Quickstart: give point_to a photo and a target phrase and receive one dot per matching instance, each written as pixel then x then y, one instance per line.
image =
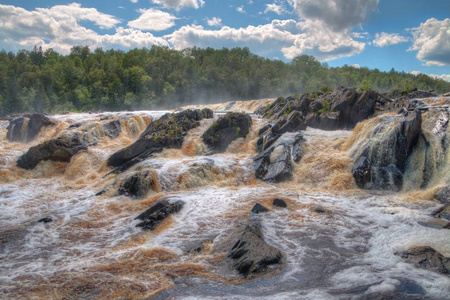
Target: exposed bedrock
pixel 153 216
pixel 61 149
pixel 26 128
pixel 276 163
pixel 427 258
pixel 227 129
pixel 251 254
pixel 382 150
pixel 167 132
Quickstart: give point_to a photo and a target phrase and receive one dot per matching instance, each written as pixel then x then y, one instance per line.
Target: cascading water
pixel 337 241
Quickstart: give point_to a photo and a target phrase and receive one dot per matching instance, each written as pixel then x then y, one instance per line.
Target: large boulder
pixel 137 185
pixel 227 129
pixel 112 129
pixel 251 254
pixel 380 156
pixel 153 216
pixel 26 128
pixel 61 149
pixel 427 258
pixel 443 195
pixel 167 132
pixel 276 163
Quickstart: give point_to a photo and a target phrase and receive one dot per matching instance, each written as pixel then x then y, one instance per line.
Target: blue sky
pixel 407 35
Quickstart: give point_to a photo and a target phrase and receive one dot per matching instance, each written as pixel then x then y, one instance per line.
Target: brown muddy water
pixel 92 249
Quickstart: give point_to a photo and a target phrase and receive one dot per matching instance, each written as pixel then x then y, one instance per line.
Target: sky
pixel 408 35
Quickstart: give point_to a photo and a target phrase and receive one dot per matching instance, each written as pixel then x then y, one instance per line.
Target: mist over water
pixel 337 241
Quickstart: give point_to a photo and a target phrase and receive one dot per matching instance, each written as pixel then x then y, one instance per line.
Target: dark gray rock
pixel 45 220
pixel 258 208
pixel 112 129
pixel 381 162
pixel 279 202
pixel 137 185
pixel 167 132
pixel 276 163
pixel 17 132
pixel 293 122
pixel 421 94
pixel 61 149
pixel 443 212
pixel 251 254
pixel 427 258
pixel 76 125
pixel 443 195
pixel 227 129
pixel 153 216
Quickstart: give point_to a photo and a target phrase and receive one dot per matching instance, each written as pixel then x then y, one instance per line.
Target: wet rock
pixel 279 202
pixel 61 149
pixel 320 209
pixel 25 128
pixel 227 129
pixel 112 129
pixel 447 226
pixel 251 254
pixel 427 258
pixel 275 164
pixel 76 125
pixel 406 290
pixel 158 212
pixel 258 208
pixel 421 94
pixel 293 122
pixel 443 195
pixel 167 132
pixel 443 212
pixel 381 159
pixel 105 118
pixel 137 185
pixel 45 220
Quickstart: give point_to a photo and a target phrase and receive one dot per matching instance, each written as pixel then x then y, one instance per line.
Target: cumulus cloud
pixel 387 39
pixel 241 9
pixel 58 27
pixel 214 21
pixel 432 41
pixel 275 8
pixel 179 4
pixel 337 15
pixel 134 1
pixel 360 35
pixel 445 77
pixel 153 19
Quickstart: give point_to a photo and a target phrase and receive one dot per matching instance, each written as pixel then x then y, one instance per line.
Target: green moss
pixel 325 108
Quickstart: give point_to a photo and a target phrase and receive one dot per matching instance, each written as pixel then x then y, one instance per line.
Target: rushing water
pixel 92 249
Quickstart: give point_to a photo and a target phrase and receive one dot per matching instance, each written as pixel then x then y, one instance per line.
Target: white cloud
pixel 360 35
pixel 241 9
pixel 178 4
pixel 153 19
pixel 214 21
pixel 134 1
pixel 387 39
pixel 445 77
pixel 356 66
pixel 275 8
pixel 432 41
pixel 62 31
pixel 337 15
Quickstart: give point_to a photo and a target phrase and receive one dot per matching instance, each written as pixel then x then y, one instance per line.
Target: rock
pixel 76 125
pixel 447 226
pixel 45 220
pixel 293 122
pixel 427 258
pixel 137 185
pixel 27 127
pixel 320 209
pixel 279 202
pixel 251 253
pixel 167 132
pixel 112 129
pixel 275 164
pixel 107 117
pixel 227 129
pixel 380 159
pixel 421 94
pixel 153 216
pixel 61 149
pixel 443 212
pixel 258 208
pixel 443 195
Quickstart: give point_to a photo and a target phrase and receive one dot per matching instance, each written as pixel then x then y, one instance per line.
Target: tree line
pixel 160 77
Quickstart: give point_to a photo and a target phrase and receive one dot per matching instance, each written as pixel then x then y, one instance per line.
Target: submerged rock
pixel 279 202
pixel 153 216
pixel 45 220
pixel 26 128
pixel 251 254
pixel 258 208
pixel 61 149
pixel 381 155
pixel 227 129
pixel 137 185
pixel 427 258
pixel 276 163
pixel 167 132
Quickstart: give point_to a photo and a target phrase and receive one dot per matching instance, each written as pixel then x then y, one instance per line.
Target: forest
pixel 160 77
